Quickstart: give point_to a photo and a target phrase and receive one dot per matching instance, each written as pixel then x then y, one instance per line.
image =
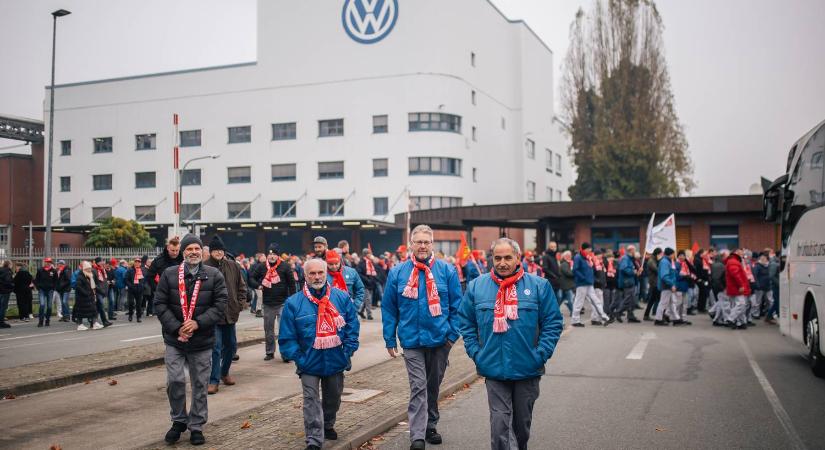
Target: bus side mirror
pixel 771 205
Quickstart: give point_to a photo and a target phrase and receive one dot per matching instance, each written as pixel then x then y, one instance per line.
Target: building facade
pixel 350 108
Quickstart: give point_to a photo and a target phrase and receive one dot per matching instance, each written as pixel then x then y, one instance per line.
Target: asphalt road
pixel 25 343
pixel 691 387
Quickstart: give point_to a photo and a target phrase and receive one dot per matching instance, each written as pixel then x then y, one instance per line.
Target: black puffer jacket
pixel 279 292
pixel 550 265
pixel 6 282
pixel 64 280
pixel 46 279
pixel 209 309
pixel 160 264
pixel 84 299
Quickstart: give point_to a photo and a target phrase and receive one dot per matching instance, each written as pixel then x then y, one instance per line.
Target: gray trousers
pixel 596 313
pixel 271 315
pixel 425 369
pixel 669 302
pixel 756 302
pixel 739 310
pixel 511 410
pixel 199 365
pixel 625 303
pixel 320 407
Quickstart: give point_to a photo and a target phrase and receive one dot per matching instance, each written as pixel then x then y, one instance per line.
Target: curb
pixel 68 380
pixel 365 434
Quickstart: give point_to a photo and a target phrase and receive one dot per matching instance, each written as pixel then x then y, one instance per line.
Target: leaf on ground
pixel 112 382
pixel 245 425
pixel 9 396
pixel 87 381
pixel 466 386
pixel 661 429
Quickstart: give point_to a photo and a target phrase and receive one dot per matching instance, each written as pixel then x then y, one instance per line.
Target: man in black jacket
pixel 369 275
pixel 6 288
pixel 64 287
pixel 171 256
pixel 275 278
pixel 189 300
pixel 45 280
pixel 550 266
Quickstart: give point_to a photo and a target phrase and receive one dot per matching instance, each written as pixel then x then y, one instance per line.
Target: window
pixel 145 141
pixel 548 163
pixel 804 188
pixel 475 175
pixel 65 215
pixel 191 177
pixel 102 145
pixel 190 138
pixel 333 207
pixel 559 196
pixel 380 167
pixel 283 131
pixel 102 182
pixel 380 206
pixel 475 138
pixel 4 238
pixel 329 128
pixel 724 237
pixel 329 170
pixel 422 121
pixel 65 184
pixel 190 211
pixel 65 148
pixel 426 202
pixel 558 164
pixel 531 149
pixel 446 247
pixel 380 124
pixel 239 174
pixel 239 210
pixel 435 166
pixel 144 180
pixel 473 97
pixel 283 172
pixel 101 213
pixel 472 59
pixel 238 135
pixel 145 213
pixel 531 191
pixel 284 208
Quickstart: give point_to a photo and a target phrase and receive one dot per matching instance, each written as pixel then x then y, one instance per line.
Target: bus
pixel 796 202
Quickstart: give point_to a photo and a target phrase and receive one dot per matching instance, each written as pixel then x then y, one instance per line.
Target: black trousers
pixel 652 300
pixel 703 297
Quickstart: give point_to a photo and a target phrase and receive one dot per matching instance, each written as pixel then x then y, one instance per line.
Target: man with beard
pixel 170 257
pixel 319 247
pixel 226 343
pixel 189 300
pixel 319 330
pixel 276 280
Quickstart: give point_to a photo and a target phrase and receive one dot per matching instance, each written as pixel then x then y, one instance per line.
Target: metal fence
pixel 33 257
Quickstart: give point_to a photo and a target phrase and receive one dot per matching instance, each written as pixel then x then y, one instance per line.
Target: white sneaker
pixel 97 326
pixel 82 327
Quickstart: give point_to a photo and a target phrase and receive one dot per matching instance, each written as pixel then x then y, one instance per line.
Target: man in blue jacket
pixel 511 323
pixel 667 287
pixel 420 307
pixel 627 285
pixel 584 279
pixel 345 278
pixel 319 331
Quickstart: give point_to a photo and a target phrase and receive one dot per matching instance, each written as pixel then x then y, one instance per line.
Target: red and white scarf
pixel 329 320
pixel 684 270
pixel 101 273
pixel 611 269
pixel 370 267
pixel 532 267
pixel 187 308
pixel 749 272
pixel 338 279
pixel 138 274
pixel 411 290
pixel 272 276
pixel 706 263
pixel 506 300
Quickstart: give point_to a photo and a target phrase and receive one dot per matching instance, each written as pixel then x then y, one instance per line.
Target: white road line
pixel 52 334
pixel 773 399
pixel 639 350
pixel 141 338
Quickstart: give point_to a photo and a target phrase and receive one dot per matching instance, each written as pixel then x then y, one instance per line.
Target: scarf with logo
pixel 749 272
pixel 370 267
pixel 506 306
pixel 411 290
pixel 329 320
pixel 338 279
pixel 272 276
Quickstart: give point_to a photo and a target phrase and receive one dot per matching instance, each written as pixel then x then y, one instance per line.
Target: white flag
pixel 662 235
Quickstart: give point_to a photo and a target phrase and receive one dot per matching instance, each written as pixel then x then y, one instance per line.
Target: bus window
pixel 806 184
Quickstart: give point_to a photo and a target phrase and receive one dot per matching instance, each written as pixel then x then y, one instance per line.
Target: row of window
pixel 549 195
pixel 551 160
pixel 281 132
pixel 281 209
pixel 281 172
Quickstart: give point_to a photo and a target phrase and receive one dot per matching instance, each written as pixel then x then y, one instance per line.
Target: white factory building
pixel 348 105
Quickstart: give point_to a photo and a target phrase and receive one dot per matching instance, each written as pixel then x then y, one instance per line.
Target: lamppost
pixel 48 243
pixel 180 184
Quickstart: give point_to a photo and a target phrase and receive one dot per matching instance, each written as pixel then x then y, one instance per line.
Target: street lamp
pixel 180 184
pixel 48 243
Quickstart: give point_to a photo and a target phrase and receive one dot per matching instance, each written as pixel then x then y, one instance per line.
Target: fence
pixel 33 257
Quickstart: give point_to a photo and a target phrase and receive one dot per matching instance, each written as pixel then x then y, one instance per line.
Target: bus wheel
pixel 815 357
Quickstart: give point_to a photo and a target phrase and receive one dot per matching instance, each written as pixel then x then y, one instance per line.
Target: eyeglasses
pixel 422 243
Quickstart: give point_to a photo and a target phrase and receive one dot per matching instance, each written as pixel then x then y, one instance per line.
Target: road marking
pixel 141 338
pixel 52 334
pixel 773 399
pixel 639 349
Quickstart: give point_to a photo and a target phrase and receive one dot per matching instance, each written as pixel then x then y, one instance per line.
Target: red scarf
pixel 370 267
pixel 329 320
pixel 101 274
pixel 460 271
pixel 411 290
pixel 706 263
pixel 532 267
pixel 749 272
pixel 187 308
pixel 611 269
pixel 683 270
pixel 338 279
pixel 506 300
pixel 597 264
pixel 272 276
pixel 138 274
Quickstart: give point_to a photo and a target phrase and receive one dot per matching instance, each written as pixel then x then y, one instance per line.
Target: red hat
pixel 528 254
pixel 476 253
pixel 47 260
pixel 113 261
pixel 401 249
pixel 333 257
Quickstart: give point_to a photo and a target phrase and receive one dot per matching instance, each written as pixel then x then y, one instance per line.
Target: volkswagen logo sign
pixel 369 21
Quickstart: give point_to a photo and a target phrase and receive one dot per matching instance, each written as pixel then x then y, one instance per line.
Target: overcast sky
pixel 748 75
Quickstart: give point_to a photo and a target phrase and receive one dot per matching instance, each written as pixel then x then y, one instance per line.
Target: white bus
pixel 796 201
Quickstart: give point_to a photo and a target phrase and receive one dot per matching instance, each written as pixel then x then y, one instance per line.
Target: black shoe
pixel 660 323
pixel 107 324
pixel 647 318
pixel 112 317
pixel 259 314
pixel 130 317
pixel 196 437
pixel 330 434
pixel 578 325
pixel 678 323
pixel 286 361
pixel 312 447
pixel 687 322
pixel 40 323
pixel 741 327
pixel 361 315
pixel 369 317
pixel 596 322
pixel 619 319
pixel 4 325
pixel 236 357
pixel 432 436
pixel 633 320
pixel 139 319
pixel 418 445
pixel 269 357
pixel 173 435
pixel 47 322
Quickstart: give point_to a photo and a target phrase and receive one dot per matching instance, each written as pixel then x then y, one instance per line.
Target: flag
pixel 695 247
pixel 662 235
pixel 463 252
pixel 369 246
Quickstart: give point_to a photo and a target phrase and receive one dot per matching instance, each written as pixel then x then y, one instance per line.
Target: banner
pixel 662 235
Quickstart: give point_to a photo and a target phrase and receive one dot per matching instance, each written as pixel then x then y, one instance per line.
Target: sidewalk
pixel 31 378
pixel 279 424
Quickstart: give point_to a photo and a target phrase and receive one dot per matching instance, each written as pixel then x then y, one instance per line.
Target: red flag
pixel 695 247
pixel 463 251
pixel 369 246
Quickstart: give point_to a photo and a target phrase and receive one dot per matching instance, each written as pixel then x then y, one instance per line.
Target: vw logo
pixel 369 21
